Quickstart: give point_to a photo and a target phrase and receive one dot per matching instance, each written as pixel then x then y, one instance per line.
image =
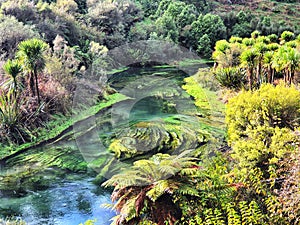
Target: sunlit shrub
pixel 230 77
pixel 260 124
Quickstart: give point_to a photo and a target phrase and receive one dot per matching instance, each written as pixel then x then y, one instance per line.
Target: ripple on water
pixel 66 203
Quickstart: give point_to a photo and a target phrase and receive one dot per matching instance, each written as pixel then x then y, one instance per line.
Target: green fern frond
pixel 107 206
pixel 188 171
pixel 187 190
pixel 167 170
pixel 161 187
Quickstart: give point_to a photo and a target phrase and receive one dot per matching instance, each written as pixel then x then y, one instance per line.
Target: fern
pixel 251 213
pixel 161 187
pixel 233 217
pixel 187 190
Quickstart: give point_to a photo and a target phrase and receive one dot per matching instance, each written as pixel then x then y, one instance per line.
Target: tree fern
pixel 141 189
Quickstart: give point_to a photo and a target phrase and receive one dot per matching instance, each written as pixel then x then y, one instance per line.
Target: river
pixel 72 199
pixel 66 202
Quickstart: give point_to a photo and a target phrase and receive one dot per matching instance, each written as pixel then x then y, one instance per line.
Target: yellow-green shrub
pixel 260 124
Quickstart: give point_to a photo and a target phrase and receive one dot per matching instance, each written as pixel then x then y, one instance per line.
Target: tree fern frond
pixel 128 209
pixel 167 170
pixel 189 171
pixel 187 190
pixel 139 202
pixel 107 206
pixel 161 187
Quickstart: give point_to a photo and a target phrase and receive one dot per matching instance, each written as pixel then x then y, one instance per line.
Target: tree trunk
pixel 250 77
pixel 286 76
pixel 15 87
pixel 269 74
pixel 292 73
pixel 258 71
pixel 37 86
pixel 31 83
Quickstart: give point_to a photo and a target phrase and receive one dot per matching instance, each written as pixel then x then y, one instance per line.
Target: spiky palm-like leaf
pixel 30 53
pixel 13 68
pixel 248 58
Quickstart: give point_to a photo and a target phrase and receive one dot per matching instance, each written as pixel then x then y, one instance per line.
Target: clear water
pixel 65 203
pixel 73 202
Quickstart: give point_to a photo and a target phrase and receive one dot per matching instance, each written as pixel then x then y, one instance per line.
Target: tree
pixel 260 48
pixel 13 68
pixel 286 36
pixel 30 53
pixel 287 59
pixel 267 64
pixel 248 60
pixel 209 24
pixel 167 28
pixel 292 63
pixel 204 46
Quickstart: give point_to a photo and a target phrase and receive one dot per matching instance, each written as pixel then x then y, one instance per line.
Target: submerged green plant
pixel 12 221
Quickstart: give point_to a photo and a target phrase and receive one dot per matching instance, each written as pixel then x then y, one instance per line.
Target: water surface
pixel 64 203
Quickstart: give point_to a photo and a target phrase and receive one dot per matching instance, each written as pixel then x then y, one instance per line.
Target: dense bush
pixel 12 32
pixel 260 124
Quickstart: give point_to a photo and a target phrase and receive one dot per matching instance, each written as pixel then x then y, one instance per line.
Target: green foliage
pixel 15 32
pixel 30 53
pixel 259 124
pixel 13 68
pixel 227 54
pixel 167 28
pixel 209 24
pixel 230 77
pixel 287 36
pixel 222 46
pixel 194 89
pixel 11 129
pixel 204 48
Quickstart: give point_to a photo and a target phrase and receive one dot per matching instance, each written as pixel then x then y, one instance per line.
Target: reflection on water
pixel 67 203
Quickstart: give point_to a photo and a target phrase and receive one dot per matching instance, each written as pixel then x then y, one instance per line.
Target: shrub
pixel 11 129
pixel 260 124
pixel 230 77
pixel 15 32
